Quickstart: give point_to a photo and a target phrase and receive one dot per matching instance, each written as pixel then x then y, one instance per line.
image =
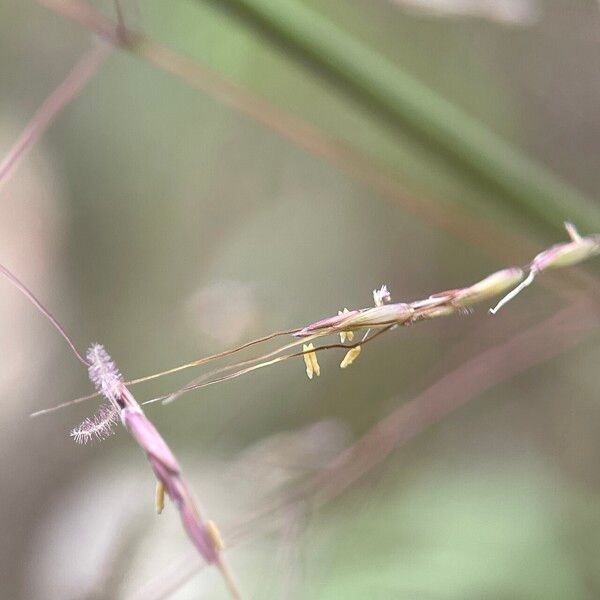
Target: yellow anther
pixel 215 535
pixel 310 360
pixel 159 498
pixel 350 357
pixel 345 335
pixel 315 362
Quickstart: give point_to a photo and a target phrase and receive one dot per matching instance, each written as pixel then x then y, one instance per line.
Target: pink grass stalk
pixel 108 380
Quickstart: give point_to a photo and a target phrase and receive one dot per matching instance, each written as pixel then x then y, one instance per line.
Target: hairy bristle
pixel 103 372
pixel 97 427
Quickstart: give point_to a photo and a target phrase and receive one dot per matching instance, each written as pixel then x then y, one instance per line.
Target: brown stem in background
pixel 481 234
pixel 477 232
pixel 65 93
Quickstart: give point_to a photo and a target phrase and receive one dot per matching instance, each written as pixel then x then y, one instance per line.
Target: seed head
pixel 387 314
pixel 433 307
pixel 493 285
pixel 560 255
pixel 567 254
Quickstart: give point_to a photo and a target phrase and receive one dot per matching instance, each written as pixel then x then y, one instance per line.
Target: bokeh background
pixel 155 220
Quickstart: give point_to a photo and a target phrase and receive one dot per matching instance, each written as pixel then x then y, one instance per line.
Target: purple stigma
pixel 97 427
pixel 104 374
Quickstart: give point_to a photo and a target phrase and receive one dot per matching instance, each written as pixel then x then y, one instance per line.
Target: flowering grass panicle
pixel 108 380
pixel 380 318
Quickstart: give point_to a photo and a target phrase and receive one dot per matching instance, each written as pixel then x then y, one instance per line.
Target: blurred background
pixel 166 225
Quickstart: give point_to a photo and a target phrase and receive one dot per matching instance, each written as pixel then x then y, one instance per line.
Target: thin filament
pixel 205 359
pixel 194 384
pixel 31 297
pixel 527 281
pixel 194 363
pixel 205 381
pixel 45 411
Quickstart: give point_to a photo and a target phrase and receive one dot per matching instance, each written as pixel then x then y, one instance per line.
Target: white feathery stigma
pixel 381 296
pixel 97 427
pixel 104 374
